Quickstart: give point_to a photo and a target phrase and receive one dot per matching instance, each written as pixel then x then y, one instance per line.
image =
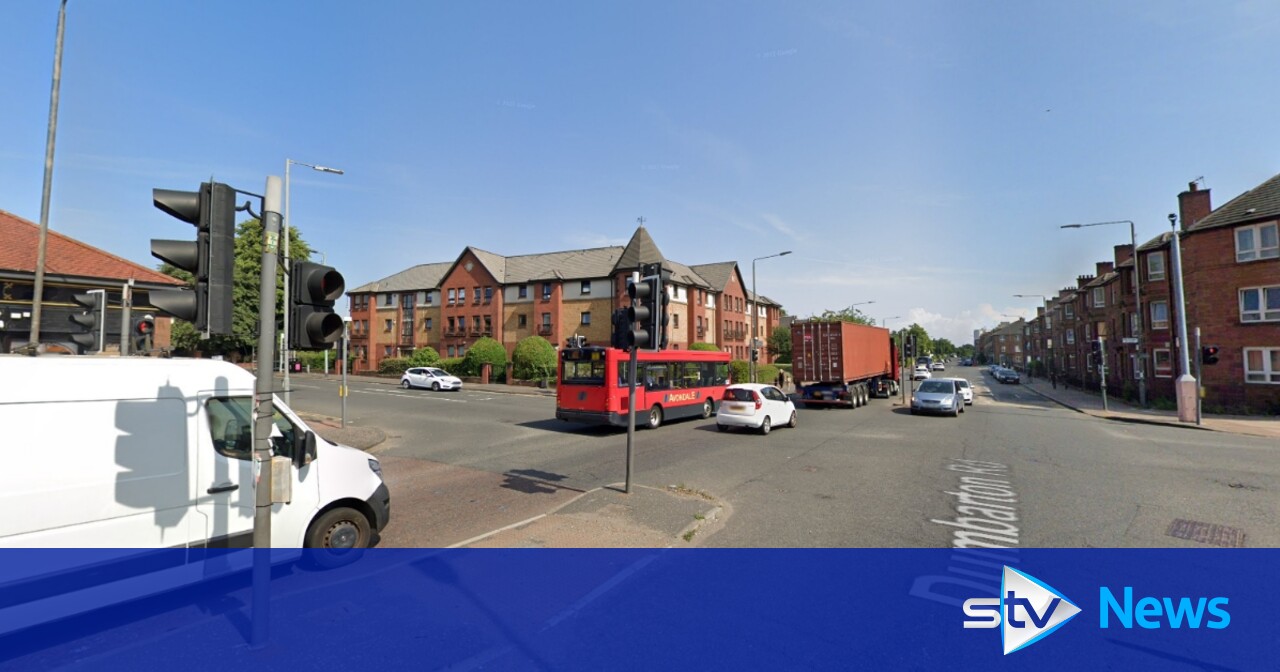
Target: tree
pixel 944 348
pixel 924 344
pixel 486 351
pixel 534 357
pixel 849 314
pixel 424 356
pixel 780 344
pixel 245 295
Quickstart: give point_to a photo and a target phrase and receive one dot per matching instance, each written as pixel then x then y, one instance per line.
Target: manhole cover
pixel 1206 533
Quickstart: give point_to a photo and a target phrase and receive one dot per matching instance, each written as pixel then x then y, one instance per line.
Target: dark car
pixel 1008 376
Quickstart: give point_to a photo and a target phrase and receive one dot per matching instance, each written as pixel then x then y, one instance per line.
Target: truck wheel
pixel 338 537
pixel 708 408
pixel 655 417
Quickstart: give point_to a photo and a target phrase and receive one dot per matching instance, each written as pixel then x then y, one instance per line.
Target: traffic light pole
pixel 1199 385
pixel 631 405
pixel 1102 369
pixel 126 317
pixel 264 413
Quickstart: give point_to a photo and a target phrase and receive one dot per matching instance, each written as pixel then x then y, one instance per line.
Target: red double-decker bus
pixel 592 386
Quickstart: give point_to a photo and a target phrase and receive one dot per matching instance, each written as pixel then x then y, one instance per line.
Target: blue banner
pixel 644 609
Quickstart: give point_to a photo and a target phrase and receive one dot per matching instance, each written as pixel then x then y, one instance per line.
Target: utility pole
pixel 631 396
pixel 38 295
pixel 264 413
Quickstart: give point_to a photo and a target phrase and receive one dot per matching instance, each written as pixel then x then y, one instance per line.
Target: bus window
pixel 657 377
pixel 583 373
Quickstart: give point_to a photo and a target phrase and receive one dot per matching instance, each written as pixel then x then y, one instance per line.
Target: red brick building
pixel 557 295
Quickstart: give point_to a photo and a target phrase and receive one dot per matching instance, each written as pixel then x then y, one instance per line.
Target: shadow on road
pixel 535 482
pixel 562 427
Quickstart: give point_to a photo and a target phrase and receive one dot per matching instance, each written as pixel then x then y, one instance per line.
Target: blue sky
pixel 916 154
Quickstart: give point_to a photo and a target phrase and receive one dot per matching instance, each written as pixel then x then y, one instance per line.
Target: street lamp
pixel 1186 385
pixel 1137 298
pixel 755 311
pixel 287 266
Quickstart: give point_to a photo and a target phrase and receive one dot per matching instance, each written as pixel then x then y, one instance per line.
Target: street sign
pixel 1130 341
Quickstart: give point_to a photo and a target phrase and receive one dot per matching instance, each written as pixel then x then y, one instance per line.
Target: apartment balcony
pixel 544 330
pixel 700 331
pixel 476 333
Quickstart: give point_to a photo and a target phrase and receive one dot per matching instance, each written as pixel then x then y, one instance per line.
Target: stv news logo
pixel 1026 611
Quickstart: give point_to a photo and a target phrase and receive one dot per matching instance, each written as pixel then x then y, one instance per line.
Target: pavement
pixel 1090 403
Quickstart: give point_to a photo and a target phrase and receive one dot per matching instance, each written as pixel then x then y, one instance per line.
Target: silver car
pixel 430 376
pixel 938 396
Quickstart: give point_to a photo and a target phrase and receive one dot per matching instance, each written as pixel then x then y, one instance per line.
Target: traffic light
pixel 755 354
pixel 141 332
pixel 312 323
pixel 641 314
pixel 1209 355
pixel 909 346
pixel 92 320
pixel 211 258
pixel 1095 346
pixel 621 329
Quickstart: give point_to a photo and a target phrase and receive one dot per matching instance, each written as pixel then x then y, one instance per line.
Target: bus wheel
pixel 655 417
pixel 707 409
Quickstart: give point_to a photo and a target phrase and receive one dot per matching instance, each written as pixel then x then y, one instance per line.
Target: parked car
pixel 966 362
pixel 966 390
pixel 1008 376
pixel 938 396
pixel 755 405
pixel 921 373
pixel 429 376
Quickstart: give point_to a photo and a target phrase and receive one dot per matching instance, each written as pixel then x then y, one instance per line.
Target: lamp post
pixel 287 266
pixel 1186 385
pixel 37 296
pixel 755 311
pixel 1137 299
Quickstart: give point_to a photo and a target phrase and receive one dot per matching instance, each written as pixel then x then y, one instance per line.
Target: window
pixel 586 318
pixel 1163 362
pixel 386 351
pixel 1069 311
pixel 452 296
pixel 1155 266
pixel 426 324
pixel 452 351
pixel 390 324
pixel 462 323
pixel 427 298
pixel 546 320
pixel 406 328
pixel 524 291
pixel 451 323
pixel 1099 297
pixel 475 323
pixel 406 300
pixel 1260 304
pixel 1071 336
pixel 586 288
pixel 546 291
pixel 1255 242
pixel 1133 324
pixel 462 350
pixel 1159 314
pixel 1262 365
pixel 488 324
pixel 388 299
pixel 675 320
pixel 522 321
pixel 488 294
pixel 477 295
pixel 229 425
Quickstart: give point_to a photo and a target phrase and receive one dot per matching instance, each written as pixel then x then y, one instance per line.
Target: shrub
pixel 706 347
pixel 487 351
pixel 766 373
pixel 425 356
pixel 739 372
pixel 534 358
pixel 395 365
pixel 454 365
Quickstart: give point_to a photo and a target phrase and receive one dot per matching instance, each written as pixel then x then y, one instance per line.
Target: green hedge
pixel 706 347
pixel 425 356
pixel 739 372
pixel 534 358
pixel 394 365
pixel 454 365
pixel 487 351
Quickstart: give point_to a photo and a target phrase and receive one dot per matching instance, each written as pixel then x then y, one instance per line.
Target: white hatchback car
pixel 921 373
pixel 755 405
pixel 966 390
pixel 430 376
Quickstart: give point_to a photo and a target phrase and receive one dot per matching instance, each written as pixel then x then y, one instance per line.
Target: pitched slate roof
pixel 1261 202
pixel 420 277
pixel 764 300
pixel 597 262
pixel 1159 242
pixel 686 276
pixel 717 274
pixel 640 250
pixel 66 256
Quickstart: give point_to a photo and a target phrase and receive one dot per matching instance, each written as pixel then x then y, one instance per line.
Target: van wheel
pixel 339 537
pixel 655 417
pixel 708 408
pixel 405 384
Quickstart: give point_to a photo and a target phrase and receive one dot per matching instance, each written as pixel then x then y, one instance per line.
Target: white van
pixel 118 452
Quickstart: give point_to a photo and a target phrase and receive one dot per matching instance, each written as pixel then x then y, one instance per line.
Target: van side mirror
pixel 304 449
